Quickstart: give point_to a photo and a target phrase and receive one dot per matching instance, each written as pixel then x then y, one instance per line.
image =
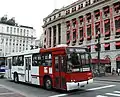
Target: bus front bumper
pixel 77 85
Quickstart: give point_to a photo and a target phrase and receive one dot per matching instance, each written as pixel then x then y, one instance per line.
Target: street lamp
pixel 99 48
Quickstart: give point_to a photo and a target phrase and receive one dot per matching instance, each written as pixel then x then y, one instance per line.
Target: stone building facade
pixel 79 24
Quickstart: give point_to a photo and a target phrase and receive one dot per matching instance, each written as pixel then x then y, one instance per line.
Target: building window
pixel 50 31
pixel 107 27
pixel 81 19
pixel 87 3
pixel 97 13
pixel 54 36
pixel 7 29
pixel 117 26
pixel 116 7
pixel 106 10
pixel 59 33
pixel 88 17
pixel 18 30
pixel 10 30
pixel 97 28
pixel 88 32
pixel 82 5
pixel 74 35
pixel 107 46
pixel 21 32
pixel 49 19
pixel 14 30
pixel 81 34
pixel 74 22
pixel 94 1
pixel 67 12
pixel 73 9
pixel 59 15
pixel 68 38
pixel 68 25
pixel 54 17
pixel 117 45
pixel 24 32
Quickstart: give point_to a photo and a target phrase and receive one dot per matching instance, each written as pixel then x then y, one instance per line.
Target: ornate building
pixel 79 24
pixel 14 37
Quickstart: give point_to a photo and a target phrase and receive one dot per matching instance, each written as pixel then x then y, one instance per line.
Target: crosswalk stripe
pixel 116 91
pixel 101 96
pixel 112 94
pixel 58 95
pixel 103 87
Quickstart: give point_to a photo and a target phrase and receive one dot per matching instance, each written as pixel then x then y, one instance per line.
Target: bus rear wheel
pixel 48 83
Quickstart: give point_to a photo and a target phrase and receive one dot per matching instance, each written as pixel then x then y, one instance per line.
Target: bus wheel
pixel 48 83
pixel 16 78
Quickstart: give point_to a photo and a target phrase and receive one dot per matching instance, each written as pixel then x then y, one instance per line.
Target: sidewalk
pixel 110 78
pixel 6 92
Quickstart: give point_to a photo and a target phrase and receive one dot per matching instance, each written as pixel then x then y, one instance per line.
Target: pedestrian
pixel 113 71
pixel 118 71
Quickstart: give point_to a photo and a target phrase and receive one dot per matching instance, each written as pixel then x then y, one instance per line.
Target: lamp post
pixel 99 48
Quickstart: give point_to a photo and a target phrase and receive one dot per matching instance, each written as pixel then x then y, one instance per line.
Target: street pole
pixel 99 48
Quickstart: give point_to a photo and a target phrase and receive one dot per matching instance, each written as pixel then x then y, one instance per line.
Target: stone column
pixel 63 33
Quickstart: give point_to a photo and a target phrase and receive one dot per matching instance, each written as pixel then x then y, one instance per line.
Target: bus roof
pixel 26 52
pixel 59 48
pixel 43 50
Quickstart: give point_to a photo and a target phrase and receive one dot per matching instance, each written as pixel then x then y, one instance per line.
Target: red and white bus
pixel 65 68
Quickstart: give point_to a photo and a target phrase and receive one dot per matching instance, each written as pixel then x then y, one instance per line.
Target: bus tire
pixel 48 83
pixel 16 80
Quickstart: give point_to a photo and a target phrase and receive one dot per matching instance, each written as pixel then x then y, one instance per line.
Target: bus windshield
pixel 78 62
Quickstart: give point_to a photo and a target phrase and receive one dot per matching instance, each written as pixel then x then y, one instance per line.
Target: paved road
pixel 97 89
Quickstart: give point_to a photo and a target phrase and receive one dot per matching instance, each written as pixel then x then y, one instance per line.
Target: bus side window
pixel 20 61
pixel 63 64
pixel 56 63
pixel 36 60
pixel 46 59
pixel 14 61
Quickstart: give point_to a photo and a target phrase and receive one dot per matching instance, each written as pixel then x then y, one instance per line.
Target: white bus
pixel 19 66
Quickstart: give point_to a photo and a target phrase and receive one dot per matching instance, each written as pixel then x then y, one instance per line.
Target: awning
pixel 102 61
pixel 117 43
pixel 106 45
pixel 117 18
pixel 118 58
pixel 108 32
pixel 118 30
pixel 98 23
pixel 106 21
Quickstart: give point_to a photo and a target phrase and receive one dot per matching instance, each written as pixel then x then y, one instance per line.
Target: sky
pixel 31 12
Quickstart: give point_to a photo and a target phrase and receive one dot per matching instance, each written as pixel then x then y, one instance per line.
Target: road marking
pixel 101 96
pixel 6 93
pixel 103 87
pixel 116 91
pixel 59 95
pixel 112 94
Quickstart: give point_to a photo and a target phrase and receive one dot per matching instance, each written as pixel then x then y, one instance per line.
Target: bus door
pixel 28 66
pixel 59 71
pixel 9 67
